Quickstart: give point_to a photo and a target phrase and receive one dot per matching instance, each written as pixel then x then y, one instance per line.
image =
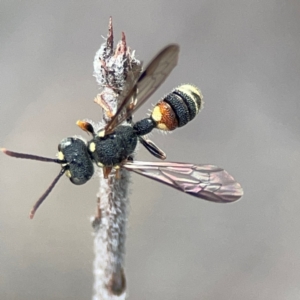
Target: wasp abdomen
pixel 144 126
pixel 178 108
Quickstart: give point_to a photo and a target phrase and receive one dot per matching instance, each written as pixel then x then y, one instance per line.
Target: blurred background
pixel 245 57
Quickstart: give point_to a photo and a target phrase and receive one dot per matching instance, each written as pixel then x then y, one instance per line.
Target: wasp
pixel 112 147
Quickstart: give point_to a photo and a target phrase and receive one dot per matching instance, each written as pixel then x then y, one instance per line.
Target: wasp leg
pixel 106 171
pixel 130 158
pixel 86 126
pixel 152 148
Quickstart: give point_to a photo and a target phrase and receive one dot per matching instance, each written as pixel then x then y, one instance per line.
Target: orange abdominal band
pixel 164 116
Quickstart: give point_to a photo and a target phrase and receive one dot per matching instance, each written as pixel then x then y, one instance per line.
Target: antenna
pixel 44 196
pixel 31 156
pixel 39 158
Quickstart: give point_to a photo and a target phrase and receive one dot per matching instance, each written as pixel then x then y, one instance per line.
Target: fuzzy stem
pixel 109 238
pixel 116 71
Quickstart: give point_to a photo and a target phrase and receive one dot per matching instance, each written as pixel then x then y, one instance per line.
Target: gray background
pixel 244 55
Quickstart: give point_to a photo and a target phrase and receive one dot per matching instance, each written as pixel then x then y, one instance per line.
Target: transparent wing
pixel 203 181
pixel 151 78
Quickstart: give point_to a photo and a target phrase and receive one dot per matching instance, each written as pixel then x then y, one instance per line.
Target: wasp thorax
pixel 76 160
pixel 178 108
pixel 112 149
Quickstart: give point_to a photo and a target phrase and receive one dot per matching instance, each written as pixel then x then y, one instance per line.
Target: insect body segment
pixel 175 110
pixel 113 149
pixel 76 160
pixel 178 108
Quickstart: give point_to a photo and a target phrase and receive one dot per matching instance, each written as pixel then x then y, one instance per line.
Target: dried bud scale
pixel 115 71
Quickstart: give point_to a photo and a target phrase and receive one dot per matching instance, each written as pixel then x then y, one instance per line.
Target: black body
pixel 78 164
pixel 191 104
pixel 144 126
pixel 113 148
